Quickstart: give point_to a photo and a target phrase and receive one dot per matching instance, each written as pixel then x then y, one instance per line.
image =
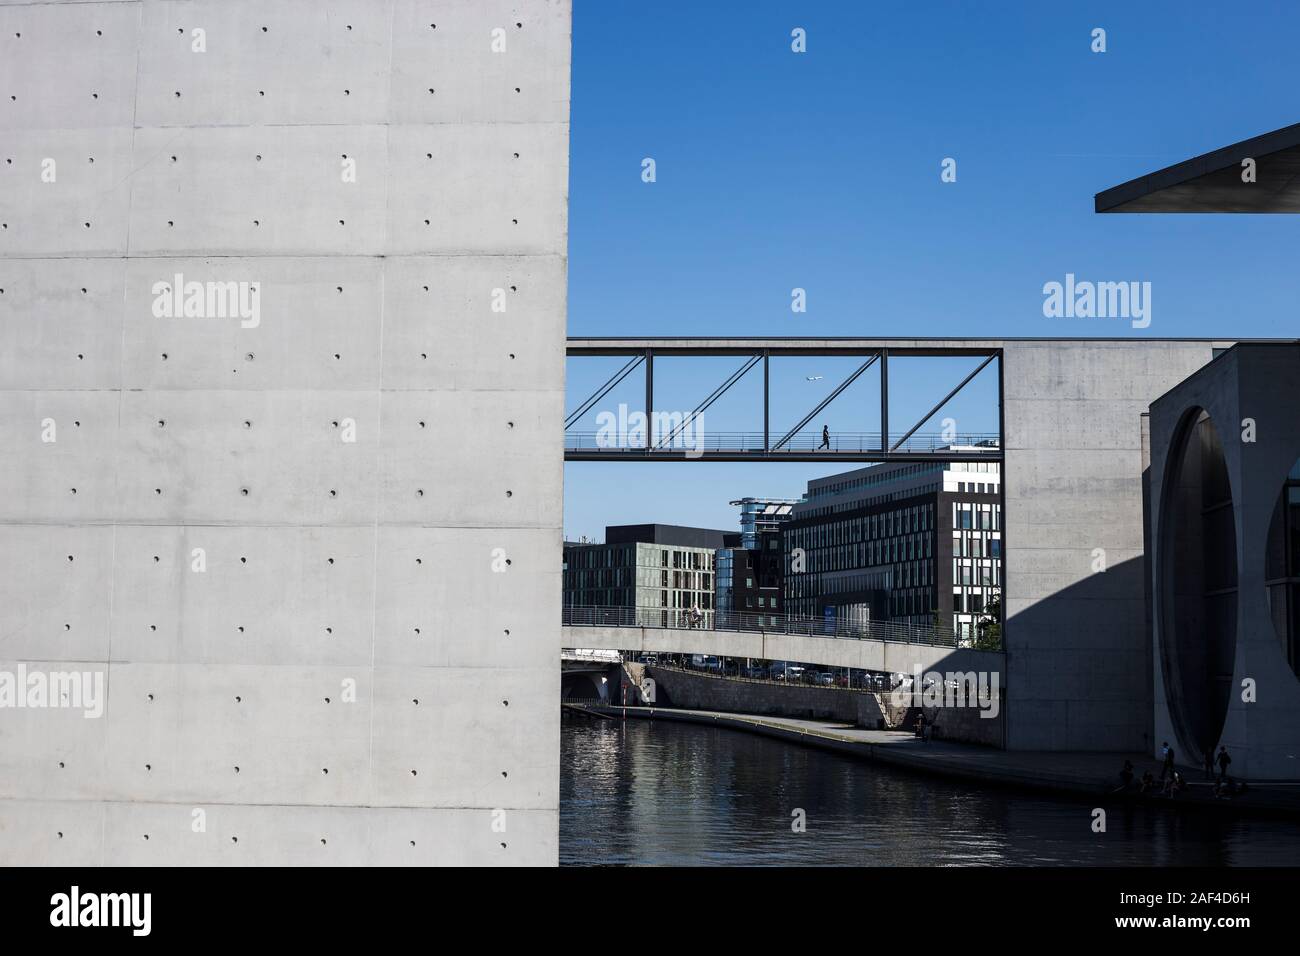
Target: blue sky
pixel 820 170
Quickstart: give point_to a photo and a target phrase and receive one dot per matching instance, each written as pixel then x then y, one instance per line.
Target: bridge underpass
pixel 587 674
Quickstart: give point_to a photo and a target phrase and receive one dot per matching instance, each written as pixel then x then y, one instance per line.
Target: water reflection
pixel 670 794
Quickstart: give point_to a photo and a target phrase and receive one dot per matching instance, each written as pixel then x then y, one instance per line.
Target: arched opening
pixel 1198 584
pixel 580 685
pixel 1282 568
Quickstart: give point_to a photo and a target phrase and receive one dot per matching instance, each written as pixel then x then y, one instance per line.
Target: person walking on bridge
pixel 826 439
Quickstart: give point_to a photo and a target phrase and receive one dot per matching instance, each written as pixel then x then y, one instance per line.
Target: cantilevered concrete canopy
pixel 1213 183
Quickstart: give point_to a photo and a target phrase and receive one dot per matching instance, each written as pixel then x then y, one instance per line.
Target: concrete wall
pixel 679 688
pixel 962 724
pixel 968 725
pixel 701 691
pixel 377 564
pixel 1077 641
pixel 1256 382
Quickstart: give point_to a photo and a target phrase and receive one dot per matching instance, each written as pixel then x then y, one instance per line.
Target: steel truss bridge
pixel 671 439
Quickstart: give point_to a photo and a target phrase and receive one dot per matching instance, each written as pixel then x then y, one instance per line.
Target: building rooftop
pixel 670 534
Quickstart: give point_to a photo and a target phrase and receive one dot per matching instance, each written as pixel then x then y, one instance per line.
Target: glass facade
pixel 883 559
pixel 663 582
pixel 750 593
pixel 976 562
pixel 909 544
pixel 760 515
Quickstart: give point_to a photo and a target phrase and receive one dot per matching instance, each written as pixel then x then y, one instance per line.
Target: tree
pixel 988 629
pixel 941 623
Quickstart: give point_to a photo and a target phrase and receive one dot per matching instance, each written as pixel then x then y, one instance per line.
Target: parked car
pixel 824 678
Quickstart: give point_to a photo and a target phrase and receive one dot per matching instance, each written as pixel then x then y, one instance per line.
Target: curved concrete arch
pixel 1197 583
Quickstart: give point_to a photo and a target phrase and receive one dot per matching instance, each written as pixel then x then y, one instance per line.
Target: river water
pixel 652 793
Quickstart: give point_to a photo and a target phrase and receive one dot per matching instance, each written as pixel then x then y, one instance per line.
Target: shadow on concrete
pixel 1079 664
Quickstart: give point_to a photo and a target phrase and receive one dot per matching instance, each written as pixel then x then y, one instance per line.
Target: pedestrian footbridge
pixel 880 647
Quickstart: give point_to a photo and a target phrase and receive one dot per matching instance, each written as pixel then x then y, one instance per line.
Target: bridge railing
pixel 812 675
pixel 591 655
pixel 703 439
pixel 743 621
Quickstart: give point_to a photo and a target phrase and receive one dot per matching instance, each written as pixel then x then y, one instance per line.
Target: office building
pixel 751 574
pixel 917 544
pixel 663 572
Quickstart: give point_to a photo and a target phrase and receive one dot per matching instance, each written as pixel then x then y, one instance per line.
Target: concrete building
pixel 1076 632
pixel 655 573
pixel 1222 486
pixel 917 544
pixel 281 374
pixel 1224 526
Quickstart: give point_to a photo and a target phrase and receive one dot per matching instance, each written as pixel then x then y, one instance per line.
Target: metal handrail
pixel 730 441
pixel 869 683
pixel 738 621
